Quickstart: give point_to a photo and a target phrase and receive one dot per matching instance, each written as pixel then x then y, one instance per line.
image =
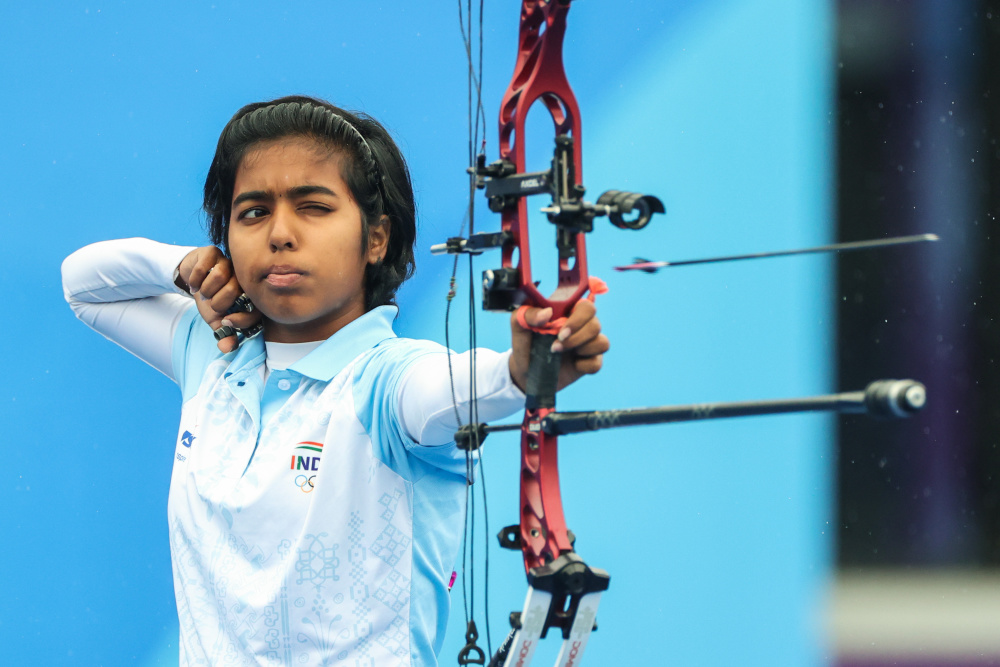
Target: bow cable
pixel 471 653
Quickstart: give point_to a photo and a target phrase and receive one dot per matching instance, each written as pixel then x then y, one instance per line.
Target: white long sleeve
pixel 125 291
pixel 427 410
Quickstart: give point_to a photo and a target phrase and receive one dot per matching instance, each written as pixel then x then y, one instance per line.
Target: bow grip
pixel 543 372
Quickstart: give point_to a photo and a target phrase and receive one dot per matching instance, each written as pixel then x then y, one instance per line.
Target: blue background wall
pixel 717 535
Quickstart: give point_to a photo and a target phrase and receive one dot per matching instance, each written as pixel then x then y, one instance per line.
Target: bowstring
pixel 475 116
pixel 479 113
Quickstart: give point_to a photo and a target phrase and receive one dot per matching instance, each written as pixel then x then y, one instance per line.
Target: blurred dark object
pixel 918 88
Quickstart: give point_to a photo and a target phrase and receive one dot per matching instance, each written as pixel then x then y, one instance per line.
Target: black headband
pixel 265 121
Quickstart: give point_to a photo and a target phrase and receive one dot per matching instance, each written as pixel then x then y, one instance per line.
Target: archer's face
pixel 295 239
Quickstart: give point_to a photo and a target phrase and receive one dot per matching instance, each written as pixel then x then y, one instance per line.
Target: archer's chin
pixel 282 309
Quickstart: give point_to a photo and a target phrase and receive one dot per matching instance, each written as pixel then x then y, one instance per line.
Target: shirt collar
pixel 248 356
pixel 333 354
pixel 343 347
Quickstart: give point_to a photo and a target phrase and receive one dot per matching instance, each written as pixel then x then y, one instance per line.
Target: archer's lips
pixel 283 276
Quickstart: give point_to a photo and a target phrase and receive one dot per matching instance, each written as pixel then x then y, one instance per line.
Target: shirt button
pixel 284 385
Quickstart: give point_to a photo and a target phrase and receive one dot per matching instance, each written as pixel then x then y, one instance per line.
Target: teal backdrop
pixel 717 535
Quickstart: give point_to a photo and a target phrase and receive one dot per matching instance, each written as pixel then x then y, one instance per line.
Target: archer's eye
pixel 250 213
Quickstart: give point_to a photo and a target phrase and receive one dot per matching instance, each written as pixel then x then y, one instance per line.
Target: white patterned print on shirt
pixel 267 574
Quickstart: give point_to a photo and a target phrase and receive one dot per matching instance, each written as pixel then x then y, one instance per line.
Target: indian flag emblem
pixel 306 456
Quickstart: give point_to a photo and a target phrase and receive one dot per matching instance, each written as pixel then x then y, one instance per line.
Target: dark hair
pixel 371 165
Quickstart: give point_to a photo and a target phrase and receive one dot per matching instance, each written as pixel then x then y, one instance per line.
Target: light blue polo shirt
pixel 306 526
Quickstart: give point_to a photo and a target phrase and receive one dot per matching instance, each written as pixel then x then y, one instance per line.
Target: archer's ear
pixel 378 240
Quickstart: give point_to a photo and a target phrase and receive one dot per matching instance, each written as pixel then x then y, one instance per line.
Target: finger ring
pixel 242 304
pixel 224 332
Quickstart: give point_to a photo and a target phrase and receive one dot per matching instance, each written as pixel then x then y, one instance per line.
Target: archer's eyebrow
pixel 251 195
pixel 293 193
pixel 306 190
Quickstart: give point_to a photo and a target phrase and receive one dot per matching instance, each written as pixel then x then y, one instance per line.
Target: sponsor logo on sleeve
pixel 187 439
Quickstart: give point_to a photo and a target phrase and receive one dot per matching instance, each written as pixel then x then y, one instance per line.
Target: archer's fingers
pixel 227 344
pixel 219 276
pixel 225 296
pixel 582 312
pixel 587 333
pixel 241 320
pixel 594 347
pixel 200 270
pixel 588 365
pixel 536 317
pixel 581 326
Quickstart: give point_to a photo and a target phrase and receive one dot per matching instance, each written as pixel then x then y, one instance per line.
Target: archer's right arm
pixel 125 291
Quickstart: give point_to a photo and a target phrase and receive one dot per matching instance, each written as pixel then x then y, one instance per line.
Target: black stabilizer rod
pixel 890 399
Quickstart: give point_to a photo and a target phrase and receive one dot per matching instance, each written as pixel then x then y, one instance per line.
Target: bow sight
pixel 568 211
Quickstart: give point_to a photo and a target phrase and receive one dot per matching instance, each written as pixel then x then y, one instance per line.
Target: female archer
pixel 317 492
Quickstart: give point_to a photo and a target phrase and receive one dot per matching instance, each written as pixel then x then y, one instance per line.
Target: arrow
pixel 652 267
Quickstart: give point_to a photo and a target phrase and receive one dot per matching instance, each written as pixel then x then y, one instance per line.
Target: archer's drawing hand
pixel 211 280
pixel 580 340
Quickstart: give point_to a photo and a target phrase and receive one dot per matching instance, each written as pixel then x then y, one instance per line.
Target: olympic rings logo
pixel 305 483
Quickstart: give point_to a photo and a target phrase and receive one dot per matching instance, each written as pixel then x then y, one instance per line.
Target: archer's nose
pixel 282 232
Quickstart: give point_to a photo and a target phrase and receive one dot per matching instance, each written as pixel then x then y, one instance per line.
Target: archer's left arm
pixel 579 339
pixel 434 397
